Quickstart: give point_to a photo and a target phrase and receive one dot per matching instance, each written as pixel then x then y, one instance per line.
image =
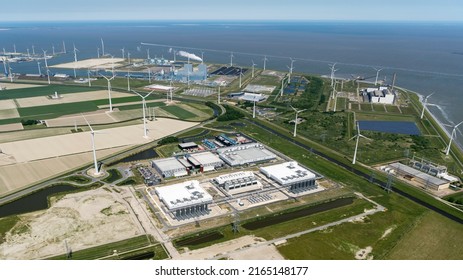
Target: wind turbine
pixel 452 135
pixel 128 80
pixel 48 75
pixel 282 86
pixel 64 47
pixel 357 143
pixel 28 54
pixel 145 130
pixel 53 49
pixel 9 72
pixel 265 61
pixel 377 74
pixel 149 74
pixel 75 59
pixel 45 58
pixel 109 91
pixel 253 64
pixel 425 103
pixel 93 132
pixel 218 95
pixel 88 78
pixel 102 47
pixel 290 69
pixel 231 59
pixel 123 53
pixel 202 57
pixel 332 73
pixel 335 96
pixel 38 66
pixel 148 54
pixel 241 74
pixel 98 52
pixel 33 50
pixel 295 119
pixel 254 109
pixel 171 90
pixel 14 48
pixel 128 57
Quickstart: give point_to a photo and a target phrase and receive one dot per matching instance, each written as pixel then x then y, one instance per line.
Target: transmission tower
pixel 388 186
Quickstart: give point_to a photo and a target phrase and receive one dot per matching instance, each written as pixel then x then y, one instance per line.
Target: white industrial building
pixel 169 167
pixel 206 161
pixel 412 174
pixel 185 200
pixel 245 154
pixel 235 180
pixel 291 176
pixel 379 95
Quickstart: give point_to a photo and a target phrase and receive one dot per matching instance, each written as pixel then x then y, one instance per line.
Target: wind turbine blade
pixel 353 137
pixel 458 124
pixel 87 123
pixel 149 93
pixel 138 94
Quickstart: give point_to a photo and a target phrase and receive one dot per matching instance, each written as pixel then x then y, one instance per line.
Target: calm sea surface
pixel 427 57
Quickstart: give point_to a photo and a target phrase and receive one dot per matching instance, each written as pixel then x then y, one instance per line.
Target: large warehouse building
pixel 291 176
pixel 245 154
pixel 185 200
pixel 169 167
pixel 205 161
pixel 424 179
pixel 235 180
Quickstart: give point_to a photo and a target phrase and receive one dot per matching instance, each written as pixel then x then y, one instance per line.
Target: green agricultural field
pixel 432 237
pixel 179 112
pixel 43 91
pixel 54 111
pixel 138 106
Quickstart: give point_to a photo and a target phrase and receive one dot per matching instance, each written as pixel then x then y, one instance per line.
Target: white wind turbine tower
pixel 254 109
pixel 109 91
pixel 9 72
pixel 332 73
pixel 171 91
pixel 291 68
pixel 149 74
pixel 452 135
pixel 33 50
pixel 95 162
pixel 265 61
pixel 64 47
pixel 145 130
pixel 123 53
pixel 231 59
pixel 253 64
pixel 102 47
pixel 98 52
pixel 335 96
pixel 148 54
pixel 282 86
pixel 295 119
pixel 425 103
pixel 218 95
pixel 28 54
pixel 14 48
pixel 88 78
pixel 38 66
pixel 358 135
pixel 53 49
pixel 75 59
pixel 128 80
pixel 241 74
pixel 377 74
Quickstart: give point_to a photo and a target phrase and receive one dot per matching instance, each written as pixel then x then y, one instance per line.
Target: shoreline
pixel 434 117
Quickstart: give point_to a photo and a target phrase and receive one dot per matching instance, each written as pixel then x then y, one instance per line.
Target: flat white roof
pixel 288 173
pixel 168 164
pixel 415 172
pixel 234 176
pixel 182 195
pixel 244 154
pixel 206 158
pixel 159 87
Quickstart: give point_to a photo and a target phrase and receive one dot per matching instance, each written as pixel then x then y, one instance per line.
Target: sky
pixel 358 10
